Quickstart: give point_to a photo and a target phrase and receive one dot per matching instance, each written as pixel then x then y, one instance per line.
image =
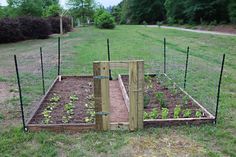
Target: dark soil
pixel 80 87
pixel 172 99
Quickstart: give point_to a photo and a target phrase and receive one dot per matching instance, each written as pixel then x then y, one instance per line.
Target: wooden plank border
pixel 124 92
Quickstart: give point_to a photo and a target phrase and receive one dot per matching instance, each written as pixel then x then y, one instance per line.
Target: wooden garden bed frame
pixel 170 122
pixel 59 128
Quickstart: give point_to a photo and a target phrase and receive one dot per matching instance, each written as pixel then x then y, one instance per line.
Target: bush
pixel 104 19
pixel 55 24
pixel 10 31
pixel 41 28
pixel 34 28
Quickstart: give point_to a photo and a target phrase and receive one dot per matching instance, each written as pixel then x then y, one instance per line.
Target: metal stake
pixel 109 57
pixel 42 70
pixel 20 94
pixel 186 68
pixel 219 86
pixel 165 55
pixel 59 56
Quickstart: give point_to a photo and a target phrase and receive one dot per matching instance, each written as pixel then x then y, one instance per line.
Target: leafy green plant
pixel 146 100
pixel 47 116
pixel 161 99
pixel 198 114
pixel 164 113
pixel 74 98
pixel 69 108
pixel 177 111
pixel 187 113
pixel 55 98
pixel 66 118
pixel 148 81
pixel 154 114
pixel 145 115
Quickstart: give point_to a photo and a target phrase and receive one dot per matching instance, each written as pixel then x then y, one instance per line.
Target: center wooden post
pixel 102 97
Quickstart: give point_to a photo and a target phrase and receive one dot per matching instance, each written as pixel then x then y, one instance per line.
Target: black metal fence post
pixel 186 68
pixel 20 94
pixel 109 57
pixel 165 55
pixel 59 56
pixel 42 69
pixel 219 86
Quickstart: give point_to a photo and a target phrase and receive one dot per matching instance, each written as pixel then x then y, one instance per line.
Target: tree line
pixel 175 11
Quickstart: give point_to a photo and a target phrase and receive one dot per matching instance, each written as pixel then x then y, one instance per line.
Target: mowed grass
pixel 85 45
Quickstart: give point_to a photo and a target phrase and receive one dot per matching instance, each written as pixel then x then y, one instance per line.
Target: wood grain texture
pixel 133 96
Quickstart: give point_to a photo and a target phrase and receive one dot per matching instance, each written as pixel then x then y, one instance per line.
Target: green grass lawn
pixel 85 45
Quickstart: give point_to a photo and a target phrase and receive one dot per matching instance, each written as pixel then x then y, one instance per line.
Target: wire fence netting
pixel 202 75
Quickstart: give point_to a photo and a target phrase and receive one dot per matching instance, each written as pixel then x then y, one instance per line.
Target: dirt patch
pixel 171 97
pixel 82 88
pixel 119 112
pixel 5 93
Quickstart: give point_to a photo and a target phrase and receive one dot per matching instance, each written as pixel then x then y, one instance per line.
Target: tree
pixel 150 11
pixel 232 11
pixel 52 10
pixel 82 8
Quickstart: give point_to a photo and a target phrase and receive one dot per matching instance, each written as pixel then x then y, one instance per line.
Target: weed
pixel 198 114
pixel 177 111
pixel 164 113
pixel 161 99
pixel 187 113
pixel 146 101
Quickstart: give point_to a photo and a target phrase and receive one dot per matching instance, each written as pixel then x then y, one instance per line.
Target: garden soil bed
pixel 153 86
pixel 82 87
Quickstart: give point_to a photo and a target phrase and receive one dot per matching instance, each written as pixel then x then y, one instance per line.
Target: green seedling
pixel 187 113
pixel 177 111
pixel 55 98
pixel 46 113
pixel 69 108
pixel 161 99
pixel 146 101
pixel 74 98
pixel 66 119
pixel 145 115
pixel 198 114
pixel 164 113
pixel 154 114
pixel 51 106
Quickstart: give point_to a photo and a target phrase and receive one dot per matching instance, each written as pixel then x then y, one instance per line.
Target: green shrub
pixel 104 20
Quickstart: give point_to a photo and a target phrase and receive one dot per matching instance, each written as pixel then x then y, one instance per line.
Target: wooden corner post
pixel 101 95
pixel 136 91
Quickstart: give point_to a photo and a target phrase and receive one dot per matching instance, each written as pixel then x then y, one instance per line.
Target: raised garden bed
pixel 67 106
pixel 166 104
